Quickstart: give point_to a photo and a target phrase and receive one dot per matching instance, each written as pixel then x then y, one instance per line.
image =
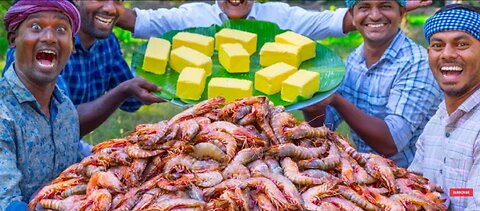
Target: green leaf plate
pixel 326 62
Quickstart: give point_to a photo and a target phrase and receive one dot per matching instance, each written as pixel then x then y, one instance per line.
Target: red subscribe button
pixel 461 192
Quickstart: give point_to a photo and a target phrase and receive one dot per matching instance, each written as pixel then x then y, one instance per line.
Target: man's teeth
pixel 376 25
pixel 235 1
pixel 48 51
pixel 104 20
pixel 451 68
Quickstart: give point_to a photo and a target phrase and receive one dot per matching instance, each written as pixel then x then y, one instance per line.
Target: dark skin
pixel 376 40
pixel 41 33
pixel 98 19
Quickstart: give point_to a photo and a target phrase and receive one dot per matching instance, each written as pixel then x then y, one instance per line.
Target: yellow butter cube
pixel 182 57
pixel 230 88
pixel 272 53
pixel 306 45
pixel 156 55
pixel 201 43
pixel 269 80
pixel 247 39
pixel 191 83
pixel 234 58
pixel 302 83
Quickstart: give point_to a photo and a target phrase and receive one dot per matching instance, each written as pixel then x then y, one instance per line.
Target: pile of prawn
pixel 244 155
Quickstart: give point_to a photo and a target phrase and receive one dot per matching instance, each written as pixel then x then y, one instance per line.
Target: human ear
pixel 11 39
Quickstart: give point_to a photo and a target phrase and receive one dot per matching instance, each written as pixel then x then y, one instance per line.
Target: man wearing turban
pixel 389 92
pixel 448 151
pixel 39 128
pixel 96 77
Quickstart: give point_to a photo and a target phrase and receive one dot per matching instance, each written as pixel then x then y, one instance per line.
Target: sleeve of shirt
pixel 120 73
pixel 473 203
pixel 10 175
pixel 417 163
pixel 153 23
pixel 315 24
pixel 413 97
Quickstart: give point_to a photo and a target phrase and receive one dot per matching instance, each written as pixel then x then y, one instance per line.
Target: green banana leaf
pixel 326 62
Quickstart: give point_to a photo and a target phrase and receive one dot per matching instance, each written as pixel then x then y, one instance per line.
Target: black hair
pixel 459 6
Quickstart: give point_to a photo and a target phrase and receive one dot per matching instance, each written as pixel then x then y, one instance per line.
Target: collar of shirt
pixel 390 53
pixel 21 92
pixel 79 46
pixel 223 17
pixel 472 102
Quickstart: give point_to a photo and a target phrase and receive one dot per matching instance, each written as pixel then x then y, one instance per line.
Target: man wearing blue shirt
pixel 314 24
pixel 97 78
pixel 389 92
pixel 39 127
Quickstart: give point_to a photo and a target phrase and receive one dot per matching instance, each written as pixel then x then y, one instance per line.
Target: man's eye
pixel 35 26
pixel 61 29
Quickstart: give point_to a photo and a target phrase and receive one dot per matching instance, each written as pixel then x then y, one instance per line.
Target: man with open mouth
pixel 39 127
pixel 96 77
pixel 314 24
pixel 448 151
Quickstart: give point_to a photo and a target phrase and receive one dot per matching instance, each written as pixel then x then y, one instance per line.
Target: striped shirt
pixel 33 148
pixel 399 88
pixel 448 151
pixel 89 73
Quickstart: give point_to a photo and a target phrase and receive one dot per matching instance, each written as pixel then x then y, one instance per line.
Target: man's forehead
pixel 452 35
pixel 45 14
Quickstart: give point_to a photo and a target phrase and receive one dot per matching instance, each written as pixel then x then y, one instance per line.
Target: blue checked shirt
pixel 399 88
pixel 33 148
pixel 448 152
pixel 90 73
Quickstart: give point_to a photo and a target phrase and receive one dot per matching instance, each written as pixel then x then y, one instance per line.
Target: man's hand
pixel 322 104
pixel 142 90
pixel 414 4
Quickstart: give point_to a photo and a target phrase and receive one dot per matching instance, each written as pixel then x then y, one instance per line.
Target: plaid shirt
pixel 89 73
pixel 448 151
pixel 399 88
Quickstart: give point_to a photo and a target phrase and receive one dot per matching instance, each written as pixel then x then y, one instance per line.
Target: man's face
pixel 99 16
pixel 454 59
pixel 43 45
pixel 377 20
pixel 236 9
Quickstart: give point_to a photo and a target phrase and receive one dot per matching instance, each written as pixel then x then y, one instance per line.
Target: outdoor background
pixel 121 123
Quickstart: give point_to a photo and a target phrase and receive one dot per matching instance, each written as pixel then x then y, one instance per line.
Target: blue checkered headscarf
pixel 454 19
pixel 351 3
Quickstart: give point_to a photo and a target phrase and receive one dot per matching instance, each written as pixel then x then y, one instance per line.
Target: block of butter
pixel 247 39
pixel 302 83
pixel 191 83
pixel 156 55
pixel 306 45
pixel 230 88
pixel 201 43
pixel 234 58
pixel 269 80
pixel 182 57
pixel 272 53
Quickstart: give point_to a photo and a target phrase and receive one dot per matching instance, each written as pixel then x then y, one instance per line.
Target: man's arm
pixel 374 131
pixel 127 20
pixel 94 113
pixel 10 175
